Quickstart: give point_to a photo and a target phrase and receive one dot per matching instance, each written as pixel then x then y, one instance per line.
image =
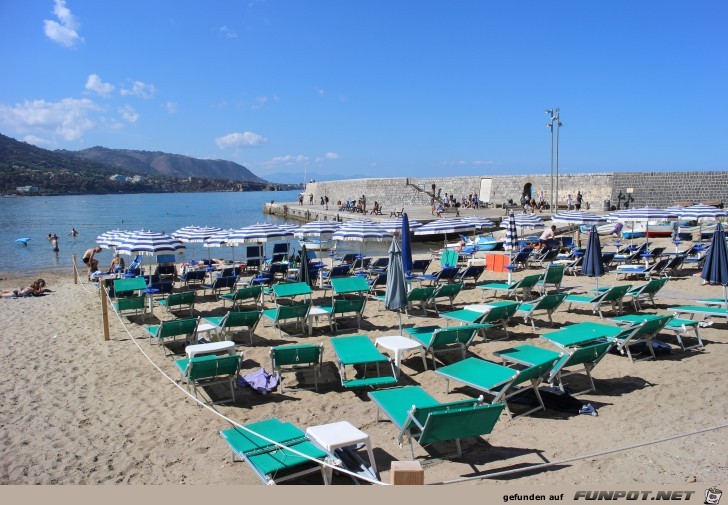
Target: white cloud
pixel 171 107
pixel 227 32
pixel 140 89
pixel 37 141
pixel 95 84
pixel 65 32
pixel 69 117
pixel 328 156
pixel 245 139
pixel 128 113
pixel 289 159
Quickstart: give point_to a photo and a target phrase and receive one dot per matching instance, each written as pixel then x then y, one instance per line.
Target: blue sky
pixel 373 88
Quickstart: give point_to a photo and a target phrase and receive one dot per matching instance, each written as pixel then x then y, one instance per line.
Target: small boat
pixel 475 244
pixel 23 240
pixel 314 244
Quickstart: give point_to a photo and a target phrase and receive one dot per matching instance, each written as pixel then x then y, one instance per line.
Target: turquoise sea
pixel 36 216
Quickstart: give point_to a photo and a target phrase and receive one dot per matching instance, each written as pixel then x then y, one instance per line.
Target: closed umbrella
pixel 406 245
pixel 305 274
pixel 715 268
pixel 592 265
pixel 511 242
pixel 396 296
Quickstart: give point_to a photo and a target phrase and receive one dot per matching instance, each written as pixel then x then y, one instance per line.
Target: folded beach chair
pixel 292 358
pixel 641 332
pixel 232 322
pixel 172 329
pixel 276 462
pixel 588 355
pixel 252 293
pixel 419 416
pixel 703 312
pixel 208 370
pixel 553 276
pixel 524 286
pixel 647 290
pixel 613 296
pixel 298 313
pixel 641 270
pixel 436 339
pixel 449 291
pixel 358 351
pixel 491 315
pixel 679 327
pixel 547 303
pixel 500 381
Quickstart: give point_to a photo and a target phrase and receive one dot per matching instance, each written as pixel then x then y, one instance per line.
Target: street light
pixel 554 115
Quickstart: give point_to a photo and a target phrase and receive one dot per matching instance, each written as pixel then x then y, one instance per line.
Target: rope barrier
pixel 231 421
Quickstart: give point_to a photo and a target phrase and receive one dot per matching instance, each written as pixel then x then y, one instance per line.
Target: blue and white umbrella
pixel 524 221
pixel 149 243
pixel 395 225
pixel 220 239
pixel 261 232
pixel 578 217
pixel 195 235
pixel 715 268
pixel 701 212
pixel 361 231
pixel 111 238
pixel 444 226
pixel 511 242
pixel 479 222
pixel 317 229
pixel 592 265
pixel 641 215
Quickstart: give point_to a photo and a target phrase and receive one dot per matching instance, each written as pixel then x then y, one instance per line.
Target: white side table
pixel 212 347
pixel 314 313
pixel 341 434
pixel 204 329
pixel 398 345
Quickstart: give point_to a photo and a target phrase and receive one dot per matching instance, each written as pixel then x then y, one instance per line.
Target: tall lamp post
pixel 554 115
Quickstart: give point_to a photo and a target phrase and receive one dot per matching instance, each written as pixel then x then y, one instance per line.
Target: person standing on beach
pixel 91 262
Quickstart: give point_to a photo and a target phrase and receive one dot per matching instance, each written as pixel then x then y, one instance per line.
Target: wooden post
pixel 104 309
pixel 407 473
pixel 75 271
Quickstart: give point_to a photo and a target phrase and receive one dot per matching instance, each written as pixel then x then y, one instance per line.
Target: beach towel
pixel 261 381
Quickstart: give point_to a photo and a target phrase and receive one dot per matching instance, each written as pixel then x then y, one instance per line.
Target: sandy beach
pixel 80 410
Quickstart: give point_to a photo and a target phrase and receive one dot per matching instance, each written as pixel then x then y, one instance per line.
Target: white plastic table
pixel 315 313
pixel 341 434
pixel 212 347
pixel 398 345
pixel 205 329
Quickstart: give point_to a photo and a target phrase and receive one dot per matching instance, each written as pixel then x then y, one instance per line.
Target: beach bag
pixel 261 381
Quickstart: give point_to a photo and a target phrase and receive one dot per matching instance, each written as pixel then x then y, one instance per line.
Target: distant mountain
pixel 172 165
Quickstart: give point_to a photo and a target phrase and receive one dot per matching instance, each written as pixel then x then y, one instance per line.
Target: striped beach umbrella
pixel 317 229
pixel 395 225
pixel 111 238
pixel 361 231
pixel 640 215
pixel 578 217
pixel 195 235
pixel 261 232
pixel 149 243
pixel 220 239
pixel 701 212
pixel 479 222
pixel 511 242
pixel 524 221
pixel 444 226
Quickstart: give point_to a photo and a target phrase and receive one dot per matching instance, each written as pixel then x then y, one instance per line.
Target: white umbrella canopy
pixel 195 234
pixel 479 222
pixel 395 225
pixel 578 217
pixel 443 226
pixel 361 231
pixel 220 239
pixel 317 229
pixel 640 215
pixel 111 238
pixel 700 212
pixel 149 243
pixel 261 232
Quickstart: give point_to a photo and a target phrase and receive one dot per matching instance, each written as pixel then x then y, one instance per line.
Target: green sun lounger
pixel 717 302
pixel 355 284
pixel 232 322
pixel 647 290
pixel 553 276
pixel 359 351
pixel 524 286
pixel 491 315
pixel 298 313
pixel 241 295
pixel 273 463
pixel 547 303
pixel 588 355
pixel 612 296
pixel 641 332
pixel 291 290
pixel 500 381
pixel 292 358
pixel 419 416
pixel 179 301
pixel 449 291
pixel 437 340
pixel 341 307
pixel 208 370
pixel 679 327
pixel 580 334
pixel 172 329
pixel 703 312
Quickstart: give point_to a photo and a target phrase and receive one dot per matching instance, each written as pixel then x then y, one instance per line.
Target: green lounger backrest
pixel 302 354
pixel 449 290
pixel 456 420
pixel 586 354
pixel 185 298
pixel 529 281
pixel 241 319
pixel 206 367
pixel 347 306
pixel 535 371
pixel 449 258
pixel 284 290
pixel 249 293
pixel 421 294
pixel 499 313
pixel 652 327
pixel 354 284
pixel 551 302
pixel 554 274
pixel 293 311
pixel 456 334
pixel 126 285
pixel 355 349
pixel 616 293
pixel 652 287
pixel 131 303
pixel 177 327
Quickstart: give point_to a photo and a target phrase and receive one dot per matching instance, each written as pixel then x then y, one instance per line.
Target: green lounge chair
pixel 703 312
pixel 419 416
pixel 274 462
pixel 421 295
pixel 297 312
pixel 252 293
pixel 358 350
pixel 500 381
pixel 553 276
pixel 437 340
pixel 232 322
pixel 679 327
pixel 449 291
pixel 581 334
pixel 173 329
pixel 718 302
pixel 208 370
pixel 135 303
pixel 588 356
pixel 490 315
pixel 341 307
pixel 641 332
pixel 548 303
pixel 291 290
pixel 647 290
pixel 179 301
pixel 291 358
pixel 128 296
pixel 613 296
pixel 356 284
pixel 524 286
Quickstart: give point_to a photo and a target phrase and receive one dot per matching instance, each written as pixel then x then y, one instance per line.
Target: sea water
pixel 91 215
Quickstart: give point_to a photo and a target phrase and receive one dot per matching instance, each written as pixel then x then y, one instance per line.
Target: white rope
pixel 231 421
pixel 584 456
